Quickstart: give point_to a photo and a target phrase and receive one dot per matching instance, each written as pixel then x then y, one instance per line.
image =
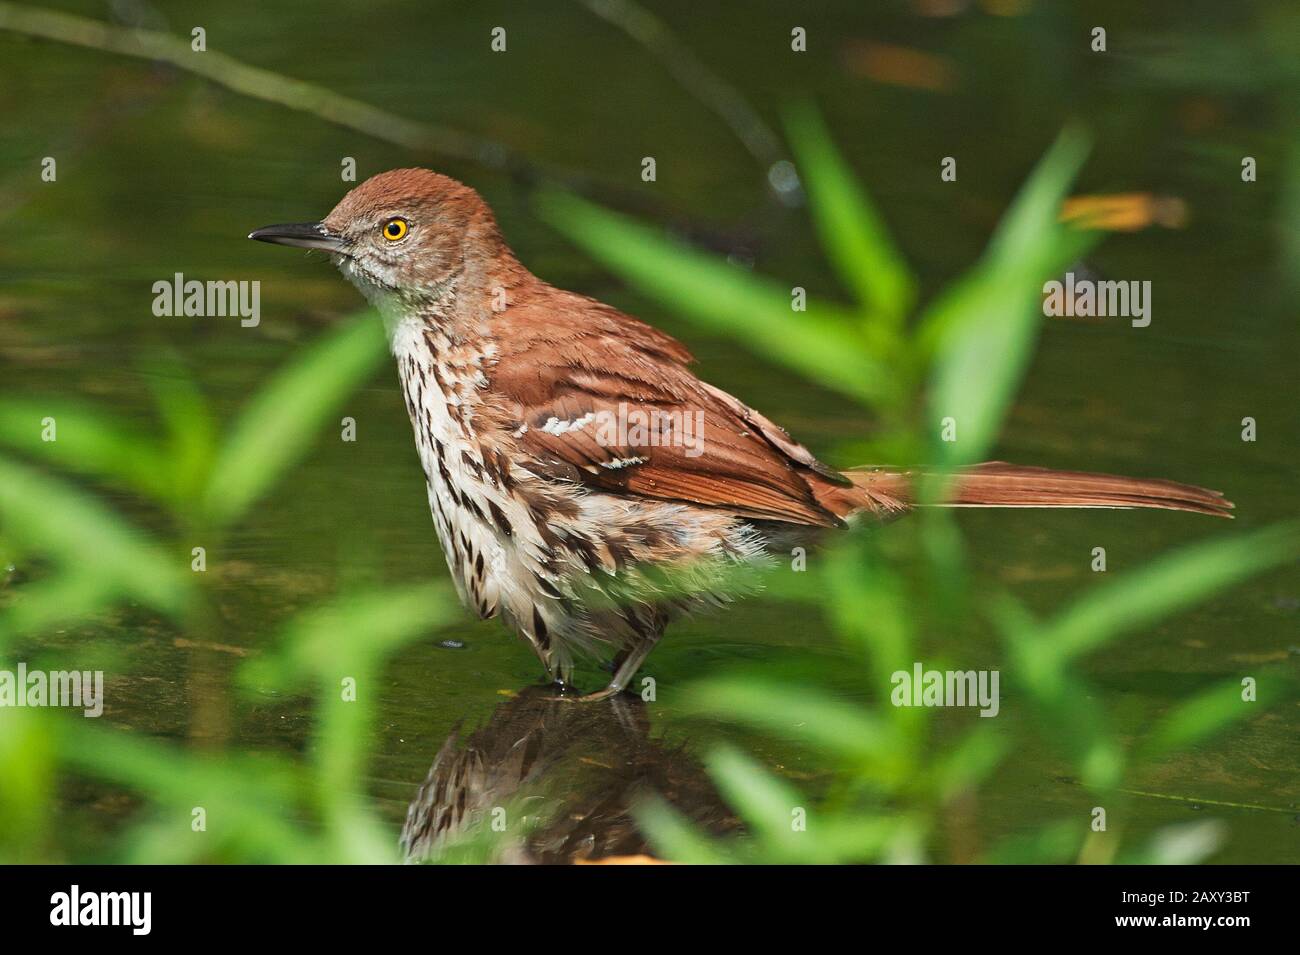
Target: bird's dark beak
pixel 302 235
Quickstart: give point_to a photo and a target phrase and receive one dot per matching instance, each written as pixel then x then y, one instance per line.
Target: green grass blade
pixel 969 761
pixel 1167 585
pixel 276 427
pixel 355 630
pixel 1213 711
pixel 673 836
pixel 251 802
pixel 191 429
pixel 1071 715
pixel 175 776
pixel 982 331
pixel 74 594
pixel 87 442
pixel 81 534
pixel 1037 207
pixel 852 232
pixel 767 803
pixel 795 712
pixel 1055 843
pixel 820 343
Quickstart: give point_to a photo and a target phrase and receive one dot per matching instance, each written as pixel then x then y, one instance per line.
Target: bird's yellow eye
pixel 395 229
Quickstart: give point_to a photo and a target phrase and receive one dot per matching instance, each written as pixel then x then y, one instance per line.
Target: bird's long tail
pixel 887 491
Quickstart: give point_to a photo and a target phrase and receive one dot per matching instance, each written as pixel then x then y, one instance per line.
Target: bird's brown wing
pixel 607 401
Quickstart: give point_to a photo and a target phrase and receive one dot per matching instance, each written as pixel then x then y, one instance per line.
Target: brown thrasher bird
pixel 573 458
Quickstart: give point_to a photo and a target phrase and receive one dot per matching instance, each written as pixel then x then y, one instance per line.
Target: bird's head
pixel 402 237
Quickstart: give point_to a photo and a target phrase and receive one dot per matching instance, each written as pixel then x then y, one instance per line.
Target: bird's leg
pixel 622 710
pixel 627 663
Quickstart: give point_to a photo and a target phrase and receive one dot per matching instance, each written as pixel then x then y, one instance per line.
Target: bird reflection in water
pixel 560 779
